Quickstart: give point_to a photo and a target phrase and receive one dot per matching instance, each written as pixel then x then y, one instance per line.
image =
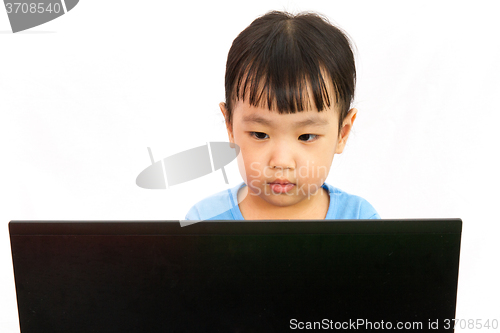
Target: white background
pixel 83 96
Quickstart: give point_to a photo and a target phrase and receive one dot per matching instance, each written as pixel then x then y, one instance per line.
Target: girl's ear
pixel 345 130
pixel 229 127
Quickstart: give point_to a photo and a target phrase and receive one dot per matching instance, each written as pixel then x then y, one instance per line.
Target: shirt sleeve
pixel 367 212
pixel 193 214
pixel 216 206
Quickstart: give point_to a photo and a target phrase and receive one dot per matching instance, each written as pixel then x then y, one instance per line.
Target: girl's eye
pixel 259 135
pixel 308 137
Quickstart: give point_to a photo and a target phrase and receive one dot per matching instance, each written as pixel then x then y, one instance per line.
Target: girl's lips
pixel 281 181
pixel 281 188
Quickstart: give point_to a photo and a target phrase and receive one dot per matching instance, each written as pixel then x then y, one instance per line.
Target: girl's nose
pixel 282 156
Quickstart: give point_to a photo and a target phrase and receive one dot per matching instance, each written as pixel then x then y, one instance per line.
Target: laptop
pixel 236 276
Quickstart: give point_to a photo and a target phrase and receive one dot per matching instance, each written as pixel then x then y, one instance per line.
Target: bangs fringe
pixel 287 90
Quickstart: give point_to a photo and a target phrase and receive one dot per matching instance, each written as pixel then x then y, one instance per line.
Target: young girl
pixel 289 84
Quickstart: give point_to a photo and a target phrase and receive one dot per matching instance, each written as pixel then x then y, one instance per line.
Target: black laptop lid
pixel 245 276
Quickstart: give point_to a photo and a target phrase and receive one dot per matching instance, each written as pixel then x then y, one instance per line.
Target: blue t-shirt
pixel 224 206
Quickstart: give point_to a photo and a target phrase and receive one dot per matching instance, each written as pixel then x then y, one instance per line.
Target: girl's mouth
pixel 281 186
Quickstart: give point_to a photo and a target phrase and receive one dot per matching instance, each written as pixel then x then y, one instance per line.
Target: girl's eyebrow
pixel 314 121
pixel 253 118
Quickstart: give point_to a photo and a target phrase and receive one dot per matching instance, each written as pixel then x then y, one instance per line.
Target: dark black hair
pixel 280 56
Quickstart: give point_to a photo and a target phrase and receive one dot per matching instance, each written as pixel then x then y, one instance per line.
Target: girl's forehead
pixel 244 113
pixel 297 99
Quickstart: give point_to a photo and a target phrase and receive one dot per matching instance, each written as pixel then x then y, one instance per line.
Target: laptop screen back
pixel 246 276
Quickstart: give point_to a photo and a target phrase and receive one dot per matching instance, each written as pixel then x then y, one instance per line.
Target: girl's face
pixel 285 158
